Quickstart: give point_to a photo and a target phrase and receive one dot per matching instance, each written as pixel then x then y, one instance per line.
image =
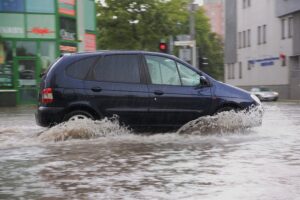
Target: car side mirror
pixel 204 82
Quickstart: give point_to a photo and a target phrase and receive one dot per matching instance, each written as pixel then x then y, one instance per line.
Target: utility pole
pixel 192 9
pixel 192 20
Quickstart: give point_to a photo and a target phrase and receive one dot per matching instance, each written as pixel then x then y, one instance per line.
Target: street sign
pixel 190 43
pixel 185 54
pixel 183 37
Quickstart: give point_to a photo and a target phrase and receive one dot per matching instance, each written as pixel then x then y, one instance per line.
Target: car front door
pixel 175 92
pixel 116 88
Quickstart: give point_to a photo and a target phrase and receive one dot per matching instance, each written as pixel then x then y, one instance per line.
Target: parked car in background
pixel 142 88
pixel 265 94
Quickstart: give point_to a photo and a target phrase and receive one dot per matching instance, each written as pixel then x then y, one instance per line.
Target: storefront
pixel 33 33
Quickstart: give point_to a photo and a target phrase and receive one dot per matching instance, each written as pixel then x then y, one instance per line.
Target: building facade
pixel 261 45
pixel 33 33
pixel 214 10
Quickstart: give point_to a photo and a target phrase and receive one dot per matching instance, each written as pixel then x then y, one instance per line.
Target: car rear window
pixel 118 68
pixel 80 69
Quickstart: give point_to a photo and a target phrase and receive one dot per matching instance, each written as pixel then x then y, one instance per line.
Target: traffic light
pixel 163 47
pixel 283 59
pixel 203 61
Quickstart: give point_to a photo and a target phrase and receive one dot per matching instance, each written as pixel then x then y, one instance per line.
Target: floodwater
pixel 102 160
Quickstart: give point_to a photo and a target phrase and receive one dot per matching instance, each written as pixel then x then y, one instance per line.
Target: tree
pixel 210 46
pixel 129 24
pixel 141 24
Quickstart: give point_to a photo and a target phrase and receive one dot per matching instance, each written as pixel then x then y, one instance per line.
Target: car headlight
pixel 255 98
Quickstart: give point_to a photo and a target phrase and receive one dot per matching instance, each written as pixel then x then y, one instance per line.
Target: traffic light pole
pixel 193 32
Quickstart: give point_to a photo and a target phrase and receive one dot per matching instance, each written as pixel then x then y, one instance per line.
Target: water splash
pixel 84 129
pixel 224 122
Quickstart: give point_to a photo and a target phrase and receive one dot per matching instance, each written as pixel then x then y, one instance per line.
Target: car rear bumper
pixel 48 116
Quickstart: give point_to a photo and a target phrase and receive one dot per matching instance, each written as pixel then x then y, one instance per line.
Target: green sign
pixel 40 26
pixel 89 15
pixel 12 25
pixel 40 6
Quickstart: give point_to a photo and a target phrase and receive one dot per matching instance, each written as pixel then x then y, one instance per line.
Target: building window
pixel 240 40
pixel 48 53
pixel 283 29
pixel 244 39
pixel 290 27
pixel 244 3
pixel 249 65
pixel 12 6
pixel 249 38
pixel 240 70
pixel 6 64
pixel 259 35
pixel 264 34
pixel 232 71
pixel 25 48
pixel 228 71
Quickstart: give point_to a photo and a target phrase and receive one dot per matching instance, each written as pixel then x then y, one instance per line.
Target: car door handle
pixel 158 92
pixel 96 89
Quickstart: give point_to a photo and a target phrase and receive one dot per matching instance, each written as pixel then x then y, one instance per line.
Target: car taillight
pixel 47 95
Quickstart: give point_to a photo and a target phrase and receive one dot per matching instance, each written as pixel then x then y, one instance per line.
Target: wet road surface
pixel 258 163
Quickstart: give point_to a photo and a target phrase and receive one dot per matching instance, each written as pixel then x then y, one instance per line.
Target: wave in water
pixel 224 122
pixel 84 129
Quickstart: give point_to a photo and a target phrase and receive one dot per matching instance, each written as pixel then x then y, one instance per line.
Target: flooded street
pixel 258 163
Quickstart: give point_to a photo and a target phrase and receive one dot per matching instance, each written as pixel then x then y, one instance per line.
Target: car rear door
pixel 116 87
pixel 175 93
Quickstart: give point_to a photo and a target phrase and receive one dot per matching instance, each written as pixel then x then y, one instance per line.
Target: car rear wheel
pixel 78 114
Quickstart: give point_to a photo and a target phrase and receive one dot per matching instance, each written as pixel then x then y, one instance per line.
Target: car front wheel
pixel 78 114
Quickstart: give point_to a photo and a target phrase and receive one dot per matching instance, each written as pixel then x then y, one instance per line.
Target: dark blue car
pixel 142 88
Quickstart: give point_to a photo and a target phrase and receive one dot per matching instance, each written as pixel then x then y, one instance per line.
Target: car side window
pixel 80 69
pixel 162 70
pixel 188 77
pixel 118 68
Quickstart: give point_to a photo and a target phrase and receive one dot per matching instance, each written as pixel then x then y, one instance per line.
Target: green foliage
pixel 141 24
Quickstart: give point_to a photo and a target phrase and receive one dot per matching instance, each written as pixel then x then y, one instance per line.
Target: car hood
pixel 225 90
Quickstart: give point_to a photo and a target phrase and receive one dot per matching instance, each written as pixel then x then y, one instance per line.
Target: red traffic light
pixel 163 47
pixel 282 56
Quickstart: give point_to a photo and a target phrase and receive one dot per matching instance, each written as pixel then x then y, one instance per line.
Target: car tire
pixel 78 114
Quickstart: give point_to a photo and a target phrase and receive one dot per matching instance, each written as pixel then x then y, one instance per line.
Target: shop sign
pixel 264 62
pixel 11 30
pixel 40 26
pixel 89 42
pixel 67 7
pixel 12 25
pixel 68 48
pixel 40 6
pixel 40 31
pixel 65 35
